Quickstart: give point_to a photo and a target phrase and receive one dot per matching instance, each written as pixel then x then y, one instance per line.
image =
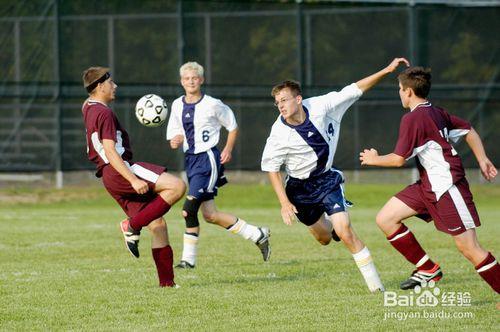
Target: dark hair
pixel 418 79
pixel 294 87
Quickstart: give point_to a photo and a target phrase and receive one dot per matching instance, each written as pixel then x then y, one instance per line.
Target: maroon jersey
pixel 427 132
pixel 101 123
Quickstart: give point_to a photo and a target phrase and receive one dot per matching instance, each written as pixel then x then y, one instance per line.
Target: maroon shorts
pixel 120 189
pixel 453 213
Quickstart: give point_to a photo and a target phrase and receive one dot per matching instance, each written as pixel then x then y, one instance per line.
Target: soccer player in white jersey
pixel 195 123
pixel 304 139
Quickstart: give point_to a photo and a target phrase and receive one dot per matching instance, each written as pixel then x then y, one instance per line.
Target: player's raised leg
pixel 359 251
pixel 389 220
pixel 162 252
pixel 169 188
pixel 485 263
pixel 235 225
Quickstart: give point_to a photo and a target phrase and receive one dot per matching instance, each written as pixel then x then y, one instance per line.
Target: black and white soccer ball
pixel 151 110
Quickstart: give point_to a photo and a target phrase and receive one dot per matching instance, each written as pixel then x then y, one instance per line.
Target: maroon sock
pixel 154 210
pixel 164 260
pixel 489 270
pixel 405 242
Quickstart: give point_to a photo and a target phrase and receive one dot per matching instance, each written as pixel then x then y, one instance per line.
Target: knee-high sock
pixel 367 268
pixel 246 230
pixel 405 242
pixel 154 210
pixel 164 259
pixel 489 270
pixel 190 248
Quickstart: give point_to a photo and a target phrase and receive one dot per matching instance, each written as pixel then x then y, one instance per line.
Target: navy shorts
pixel 205 174
pixel 315 196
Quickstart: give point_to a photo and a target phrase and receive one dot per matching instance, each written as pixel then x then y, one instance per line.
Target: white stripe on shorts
pixel 213 173
pixel 462 209
pixel 144 173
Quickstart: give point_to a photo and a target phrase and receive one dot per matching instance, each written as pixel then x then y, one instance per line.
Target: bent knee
pixel 158 226
pixel 210 217
pixel 179 187
pixel 383 219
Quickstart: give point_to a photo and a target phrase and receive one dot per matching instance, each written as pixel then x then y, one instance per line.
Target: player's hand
pixel 176 141
pixel 488 170
pixel 367 157
pixel 140 186
pixel 225 156
pixel 395 63
pixel 288 212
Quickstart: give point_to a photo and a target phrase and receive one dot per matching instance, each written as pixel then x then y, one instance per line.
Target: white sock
pixel 247 231
pixel 367 268
pixel 190 248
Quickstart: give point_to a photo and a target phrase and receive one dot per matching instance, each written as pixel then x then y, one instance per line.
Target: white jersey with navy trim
pixel 308 149
pixel 199 123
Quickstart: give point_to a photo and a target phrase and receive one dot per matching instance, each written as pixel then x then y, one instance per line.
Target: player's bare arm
pixel 488 170
pixel 176 141
pixel 288 210
pixel 368 82
pixel 226 154
pixel 372 158
pixel 140 186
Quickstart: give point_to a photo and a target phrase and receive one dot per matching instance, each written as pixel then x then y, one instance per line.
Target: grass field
pixel 64 267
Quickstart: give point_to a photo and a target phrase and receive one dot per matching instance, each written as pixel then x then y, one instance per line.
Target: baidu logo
pixel 422 296
pixel 427 295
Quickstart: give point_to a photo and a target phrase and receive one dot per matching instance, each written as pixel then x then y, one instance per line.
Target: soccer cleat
pixel 263 243
pixel 419 277
pixel 131 237
pixel 184 265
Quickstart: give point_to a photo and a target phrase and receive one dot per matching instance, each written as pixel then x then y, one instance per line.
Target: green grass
pixel 64 267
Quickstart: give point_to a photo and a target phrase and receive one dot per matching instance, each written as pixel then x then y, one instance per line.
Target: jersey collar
pixel 295 126
pixel 184 100
pixel 424 104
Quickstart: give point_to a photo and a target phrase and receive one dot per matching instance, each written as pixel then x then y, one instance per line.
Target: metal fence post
pixel 58 116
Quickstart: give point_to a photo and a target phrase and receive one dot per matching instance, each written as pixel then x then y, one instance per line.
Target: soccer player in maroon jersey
pixel 442 194
pixel 144 191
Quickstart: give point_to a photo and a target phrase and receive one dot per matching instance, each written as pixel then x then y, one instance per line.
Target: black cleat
pixel 131 237
pixel 420 277
pixel 184 265
pixel 263 243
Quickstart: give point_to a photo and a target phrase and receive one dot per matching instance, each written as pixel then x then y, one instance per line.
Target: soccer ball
pixel 151 110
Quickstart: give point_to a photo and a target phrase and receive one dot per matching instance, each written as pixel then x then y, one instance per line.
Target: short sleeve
pixel 225 116
pixel 174 126
pixel 408 138
pixel 459 128
pixel 337 103
pixel 274 155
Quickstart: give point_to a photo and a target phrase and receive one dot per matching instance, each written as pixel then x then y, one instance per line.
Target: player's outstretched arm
pixel 140 186
pixel 176 141
pixel 488 170
pixel 368 82
pixel 372 158
pixel 226 154
pixel 288 210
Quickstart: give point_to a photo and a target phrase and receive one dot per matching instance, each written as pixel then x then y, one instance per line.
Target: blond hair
pixel 192 65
